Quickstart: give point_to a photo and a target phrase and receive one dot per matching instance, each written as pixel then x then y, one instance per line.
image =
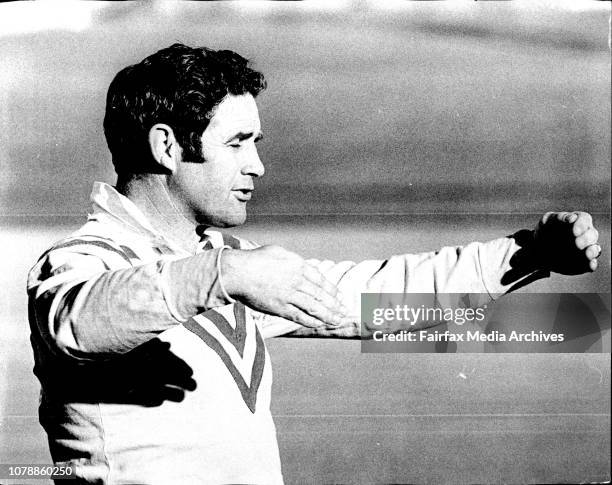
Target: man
pixel 148 326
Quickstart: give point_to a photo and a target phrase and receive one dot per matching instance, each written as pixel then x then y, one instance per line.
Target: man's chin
pixel 229 220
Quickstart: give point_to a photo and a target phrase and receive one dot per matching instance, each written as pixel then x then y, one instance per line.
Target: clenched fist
pixel 276 281
pixel 566 243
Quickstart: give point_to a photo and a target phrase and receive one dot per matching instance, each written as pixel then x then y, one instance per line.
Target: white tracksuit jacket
pixel 150 376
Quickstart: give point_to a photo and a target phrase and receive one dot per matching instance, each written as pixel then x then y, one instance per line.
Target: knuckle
pixel 586 223
pixel 589 237
pixel 319 295
pixel 314 270
pixel 316 308
pixel 308 268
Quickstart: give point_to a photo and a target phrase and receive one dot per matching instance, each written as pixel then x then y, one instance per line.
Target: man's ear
pixel 164 147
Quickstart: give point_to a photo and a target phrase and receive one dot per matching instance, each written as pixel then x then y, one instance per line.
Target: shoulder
pixel 90 249
pixel 99 240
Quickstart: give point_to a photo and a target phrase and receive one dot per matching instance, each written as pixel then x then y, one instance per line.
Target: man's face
pixel 216 192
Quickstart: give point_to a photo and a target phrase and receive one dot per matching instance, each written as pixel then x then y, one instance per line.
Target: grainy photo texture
pixel 305 242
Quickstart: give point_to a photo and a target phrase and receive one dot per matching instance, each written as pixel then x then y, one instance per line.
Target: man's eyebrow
pixel 245 135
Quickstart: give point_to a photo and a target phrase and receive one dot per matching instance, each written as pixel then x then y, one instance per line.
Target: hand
pixel 566 243
pixel 276 281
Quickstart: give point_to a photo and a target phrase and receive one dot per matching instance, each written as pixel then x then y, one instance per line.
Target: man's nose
pixel 253 165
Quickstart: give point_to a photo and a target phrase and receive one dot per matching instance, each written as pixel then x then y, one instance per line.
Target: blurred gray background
pixel 490 107
pixel 389 127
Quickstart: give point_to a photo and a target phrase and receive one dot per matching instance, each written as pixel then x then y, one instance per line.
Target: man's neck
pixel 150 194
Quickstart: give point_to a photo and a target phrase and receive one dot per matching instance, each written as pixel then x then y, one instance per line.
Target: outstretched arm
pixel 87 301
pixel 564 242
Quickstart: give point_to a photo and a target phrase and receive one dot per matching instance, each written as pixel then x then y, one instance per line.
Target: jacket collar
pixel 109 205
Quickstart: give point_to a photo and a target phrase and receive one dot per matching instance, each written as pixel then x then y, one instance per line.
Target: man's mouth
pixel 243 194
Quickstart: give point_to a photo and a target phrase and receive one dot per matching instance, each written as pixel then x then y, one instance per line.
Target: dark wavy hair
pixel 179 86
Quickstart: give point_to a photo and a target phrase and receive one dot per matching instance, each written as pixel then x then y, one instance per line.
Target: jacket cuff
pixel 193 285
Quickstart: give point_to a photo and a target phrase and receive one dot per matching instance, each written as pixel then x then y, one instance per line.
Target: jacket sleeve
pixel 87 300
pixel 478 268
